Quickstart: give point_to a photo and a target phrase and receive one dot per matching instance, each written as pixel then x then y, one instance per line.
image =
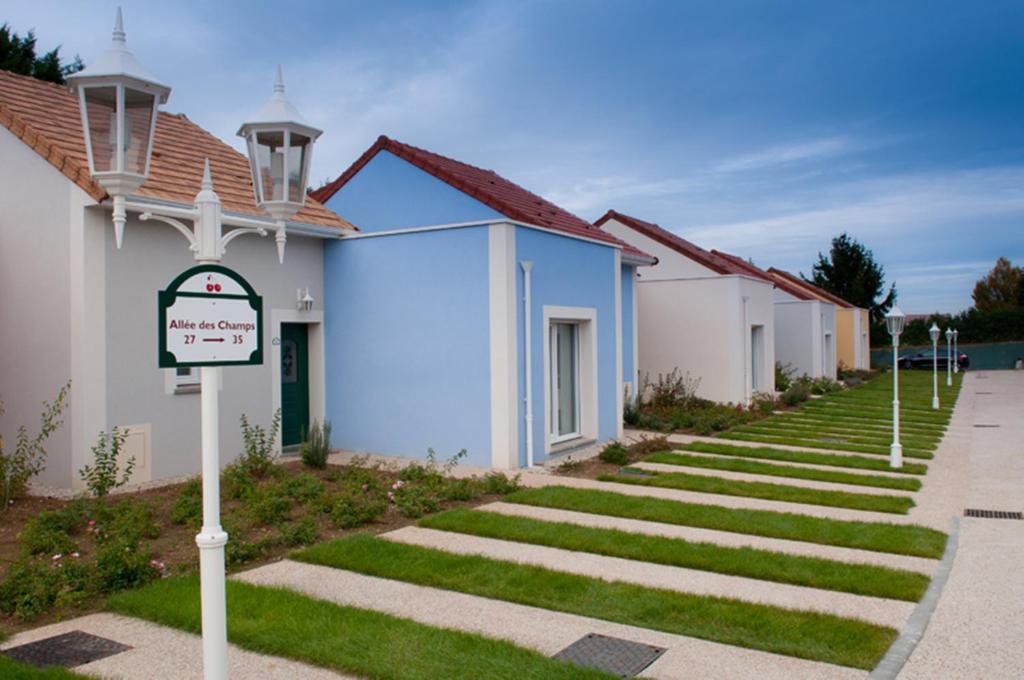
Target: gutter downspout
pixel 527 266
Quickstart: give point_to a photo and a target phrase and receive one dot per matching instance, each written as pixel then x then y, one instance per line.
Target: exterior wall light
pixel 304 301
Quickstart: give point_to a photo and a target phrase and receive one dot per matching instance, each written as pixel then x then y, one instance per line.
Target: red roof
pixel 710 259
pixel 746 267
pixel 486 186
pixel 45 116
pixel 814 291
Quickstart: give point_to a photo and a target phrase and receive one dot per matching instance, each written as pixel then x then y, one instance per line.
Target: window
pixel 564 381
pixel 756 333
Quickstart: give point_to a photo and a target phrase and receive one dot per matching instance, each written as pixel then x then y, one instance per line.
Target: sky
pixel 760 128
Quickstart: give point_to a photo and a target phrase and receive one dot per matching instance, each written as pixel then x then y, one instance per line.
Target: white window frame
pixel 553 382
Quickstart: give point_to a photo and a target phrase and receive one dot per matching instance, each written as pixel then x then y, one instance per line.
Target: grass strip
pixel 768 469
pixel 824 435
pixel 359 641
pixel 809 457
pixel 899 505
pixel 814 444
pixel 899 539
pixel 808 635
pixel 845 429
pixel 766 565
pixel 853 423
pixel 15 670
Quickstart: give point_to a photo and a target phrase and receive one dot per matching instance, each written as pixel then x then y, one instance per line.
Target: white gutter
pixel 527 266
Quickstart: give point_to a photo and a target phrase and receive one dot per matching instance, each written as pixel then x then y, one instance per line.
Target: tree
pixel 1001 288
pixel 850 271
pixel 18 55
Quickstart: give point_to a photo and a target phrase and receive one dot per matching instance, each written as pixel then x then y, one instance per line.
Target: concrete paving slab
pixel 876 610
pixel 815 466
pixel 723 538
pixel 164 653
pixel 545 631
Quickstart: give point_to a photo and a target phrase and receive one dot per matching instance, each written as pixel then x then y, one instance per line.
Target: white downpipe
pixel 527 266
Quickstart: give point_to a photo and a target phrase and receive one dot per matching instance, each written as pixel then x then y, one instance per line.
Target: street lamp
pixel 949 356
pixel 894 321
pixel 956 353
pixel 280 146
pixel 119 102
pixel 935 332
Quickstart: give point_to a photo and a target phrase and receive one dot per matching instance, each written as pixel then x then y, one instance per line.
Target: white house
pixel 805 328
pixel 708 314
pixel 73 307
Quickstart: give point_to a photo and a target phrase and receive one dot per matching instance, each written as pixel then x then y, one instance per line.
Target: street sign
pixel 210 316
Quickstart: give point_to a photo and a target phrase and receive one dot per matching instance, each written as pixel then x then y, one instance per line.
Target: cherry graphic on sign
pixel 209 288
pixel 217 287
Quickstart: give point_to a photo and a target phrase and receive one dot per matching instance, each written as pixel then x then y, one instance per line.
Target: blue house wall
pixel 406 342
pixel 568 273
pixel 628 367
pixel 391 193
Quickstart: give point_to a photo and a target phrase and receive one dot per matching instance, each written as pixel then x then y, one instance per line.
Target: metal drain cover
pixel 993 514
pixel 67 650
pixel 984 425
pixel 623 658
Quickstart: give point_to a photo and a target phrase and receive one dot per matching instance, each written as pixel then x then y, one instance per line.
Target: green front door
pixel 294 383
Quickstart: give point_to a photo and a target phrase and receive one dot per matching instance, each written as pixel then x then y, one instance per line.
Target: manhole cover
pixel 67 650
pixel 984 425
pixel 612 655
pixel 993 514
pixel 983 393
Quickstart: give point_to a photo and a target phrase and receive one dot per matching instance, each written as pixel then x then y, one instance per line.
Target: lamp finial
pixel 119 35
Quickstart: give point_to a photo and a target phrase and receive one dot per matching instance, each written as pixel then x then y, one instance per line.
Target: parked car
pixel 923 359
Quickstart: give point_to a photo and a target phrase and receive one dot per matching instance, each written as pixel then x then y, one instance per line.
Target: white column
pixel 935 375
pixel 896 450
pixel 949 369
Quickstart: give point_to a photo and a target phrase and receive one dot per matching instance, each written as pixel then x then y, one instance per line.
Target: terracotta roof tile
pixel 812 290
pixel 716 263
pixel 486 186
pixel 45 116
pixel 744 266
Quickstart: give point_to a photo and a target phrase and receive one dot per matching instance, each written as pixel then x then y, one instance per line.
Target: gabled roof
pixel 711 260
pixel 486 186
pixel 45 116
pixel 747 268
pixel 810 288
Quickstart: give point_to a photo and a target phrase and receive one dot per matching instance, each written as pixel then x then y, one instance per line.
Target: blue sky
pixel 762 128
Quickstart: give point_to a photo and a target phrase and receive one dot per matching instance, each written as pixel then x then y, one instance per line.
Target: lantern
pixel 894 321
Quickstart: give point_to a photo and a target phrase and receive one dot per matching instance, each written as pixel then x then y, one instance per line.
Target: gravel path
pixel 876 610
pixel 545 631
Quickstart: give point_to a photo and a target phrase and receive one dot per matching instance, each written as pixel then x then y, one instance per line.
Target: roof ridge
pixel 669 239
pixel 817 290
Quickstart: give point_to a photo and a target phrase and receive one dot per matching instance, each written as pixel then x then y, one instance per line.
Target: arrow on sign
pixel 213 339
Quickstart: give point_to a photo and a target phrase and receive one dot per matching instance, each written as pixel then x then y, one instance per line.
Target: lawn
pixel 283 623
pixel 13 670
pixel 808 457
pixel 766 565
pixel 809 635
pixel 793 471
pixel 901 539
pixel 775 492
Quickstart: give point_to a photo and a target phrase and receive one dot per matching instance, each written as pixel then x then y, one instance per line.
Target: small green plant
pixel 236 482
pixel 260 446
pixel 303 532
pixel 414 500
pixel 783 376
pixel 615 453
pixel 763 404
pixel 672 389
pixel 303 487
pixel 569 466
pixel 796 394
pixel 268 506
pixel 824 385
pixel 355 505
pixel 188 507
pixel 49 532
pixel 500 484
pixel 29 455
pixel 648 445
pixel 102 477
pixel 317 445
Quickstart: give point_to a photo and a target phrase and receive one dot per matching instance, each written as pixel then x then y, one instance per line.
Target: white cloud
pixel 811 150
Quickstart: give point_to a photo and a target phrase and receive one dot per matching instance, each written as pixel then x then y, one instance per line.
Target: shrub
pixel 304 487
pixel 569 465
pixel 188 507
pixel 130 520
pixel 615 453
pixel 631 409
pixel 29 455
pixel 824 385
pixel 500 484
pixel 268 506
pixel 672 389
pixel 414 500
pixel 317 445
pixel 648 445
pixel 30 588
pixel 303 532
pixel 236 483
pixel 763 404
pixel 101 477
pixel 260 445
pixel 783 376
pixel 797 393
pixel 122 564
pixel 355 505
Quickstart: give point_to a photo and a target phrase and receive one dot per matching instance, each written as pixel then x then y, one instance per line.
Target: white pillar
pixel 935 374
pixel 949 369
pixel 896 450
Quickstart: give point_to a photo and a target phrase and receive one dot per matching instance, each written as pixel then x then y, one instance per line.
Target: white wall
pixel 671 264
pixel 35 323
pixel 800 336
pixel 137 394
pixel 760 312
pixel 696 325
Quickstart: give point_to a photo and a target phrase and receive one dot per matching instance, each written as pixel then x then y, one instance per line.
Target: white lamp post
pixel 119 102
pixel 949 357
pixel 935 332
pixel 956 353
pixel 894 321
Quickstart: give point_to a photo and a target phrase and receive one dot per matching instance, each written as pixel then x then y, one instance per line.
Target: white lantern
pixel 119 100
pixel 894 321
pixel 934 332
pixel 949 335
pixel 280 144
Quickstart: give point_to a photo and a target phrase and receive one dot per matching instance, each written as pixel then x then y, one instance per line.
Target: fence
pixel 987 356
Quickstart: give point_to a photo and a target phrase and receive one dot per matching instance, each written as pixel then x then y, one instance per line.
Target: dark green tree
pixel 18 55
pixel 850 271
